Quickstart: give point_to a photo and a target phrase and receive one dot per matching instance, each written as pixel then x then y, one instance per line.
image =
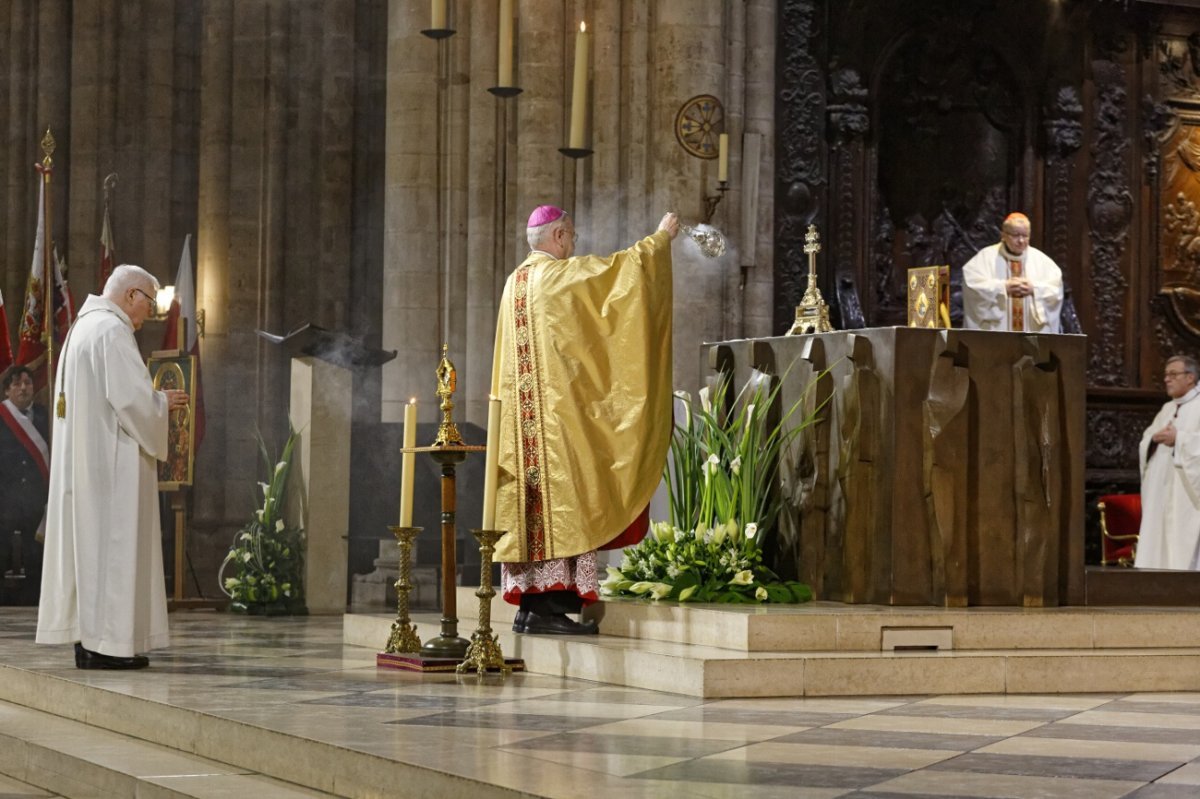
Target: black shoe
pixel 520 620
pixel 87 659
pixel 557 624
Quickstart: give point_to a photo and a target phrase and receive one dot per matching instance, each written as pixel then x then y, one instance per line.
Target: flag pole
pixel 48 270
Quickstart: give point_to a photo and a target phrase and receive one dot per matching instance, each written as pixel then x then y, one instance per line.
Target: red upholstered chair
pixel 1120 521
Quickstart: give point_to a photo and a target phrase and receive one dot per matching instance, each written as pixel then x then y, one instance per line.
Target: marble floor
pixel 533 735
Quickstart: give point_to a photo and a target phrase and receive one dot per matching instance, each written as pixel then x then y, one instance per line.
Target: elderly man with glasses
pixel 1012 285
pixel 102 580
pixel 1170 468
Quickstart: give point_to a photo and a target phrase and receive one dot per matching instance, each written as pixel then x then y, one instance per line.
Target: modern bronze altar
pixel 946 467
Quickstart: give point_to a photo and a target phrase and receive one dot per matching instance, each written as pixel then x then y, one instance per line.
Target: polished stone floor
pixel 555 737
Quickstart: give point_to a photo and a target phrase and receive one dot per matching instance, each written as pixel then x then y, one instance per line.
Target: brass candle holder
pixel 403 637
pixel 484 653
pixel 812 314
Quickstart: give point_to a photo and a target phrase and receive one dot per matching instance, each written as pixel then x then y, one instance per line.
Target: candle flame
pixel 412 400
pixel 583 27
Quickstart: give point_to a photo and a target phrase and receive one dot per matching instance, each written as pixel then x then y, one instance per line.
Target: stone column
pixel 410 286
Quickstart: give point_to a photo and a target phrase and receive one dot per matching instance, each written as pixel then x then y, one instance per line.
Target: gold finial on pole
pixel 812 314
pixel 48 145
pixel 447 378
pixel 49 272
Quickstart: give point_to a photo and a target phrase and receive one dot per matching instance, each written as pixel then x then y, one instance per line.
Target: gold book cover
pixel 929 296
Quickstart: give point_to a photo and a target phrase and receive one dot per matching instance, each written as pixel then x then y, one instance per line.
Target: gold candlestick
pixel 812 314
pixel 484 652
pixel 447 377
pixel 403 637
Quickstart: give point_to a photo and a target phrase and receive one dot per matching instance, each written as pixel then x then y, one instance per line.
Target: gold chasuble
pixel 583 372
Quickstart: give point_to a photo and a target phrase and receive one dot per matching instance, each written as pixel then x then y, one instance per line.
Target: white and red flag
pixel 184 307
pixel 6 355
pixel 108 250
pixel 31 350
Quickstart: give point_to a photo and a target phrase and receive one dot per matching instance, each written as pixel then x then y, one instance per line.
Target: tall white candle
pixel 723 158
pixel 491 461
pixel 506 44
pixel 408 462
pixel 579 92
pixel 437 15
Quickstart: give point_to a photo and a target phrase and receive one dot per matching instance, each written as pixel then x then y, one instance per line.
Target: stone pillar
pixel 319 490
pixel 410 280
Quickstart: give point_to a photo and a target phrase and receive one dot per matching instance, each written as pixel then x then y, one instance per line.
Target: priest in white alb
pixel 102 581
pixel 1011 285
pixel 1170 466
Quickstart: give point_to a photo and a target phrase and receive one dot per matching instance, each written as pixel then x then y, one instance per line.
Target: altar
pixel 944 467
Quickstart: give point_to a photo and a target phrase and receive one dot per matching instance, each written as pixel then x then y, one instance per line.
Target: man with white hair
pixel 1011 285
pixel 1169 456
pixel 583 372
pixel 102 580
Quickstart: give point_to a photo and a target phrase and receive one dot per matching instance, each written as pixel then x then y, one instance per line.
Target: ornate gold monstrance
pixel 447 378
pixel 812 314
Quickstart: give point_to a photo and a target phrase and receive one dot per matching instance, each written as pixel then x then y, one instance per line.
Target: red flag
pixel 31 345
pixel 6 356
pixel 108 250
pixel 184 307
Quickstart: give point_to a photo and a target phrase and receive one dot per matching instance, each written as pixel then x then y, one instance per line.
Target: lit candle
pixel 408 462
pixel 579 97
pixel 491 461
pixel 723 158
pixel 437 14
pixel 506 43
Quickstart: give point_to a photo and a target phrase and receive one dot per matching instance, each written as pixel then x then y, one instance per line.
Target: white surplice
pixel 1170 533
pixel 985 298
pixel 102 580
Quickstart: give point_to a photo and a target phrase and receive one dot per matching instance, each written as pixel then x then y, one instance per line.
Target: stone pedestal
pixel 320 410
pixel 377 590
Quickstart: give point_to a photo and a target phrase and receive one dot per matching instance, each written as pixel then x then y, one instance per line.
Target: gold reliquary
pixel 929 296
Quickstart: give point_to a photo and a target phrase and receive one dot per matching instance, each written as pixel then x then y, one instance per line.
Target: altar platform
pixel 834 649
pixel 282 707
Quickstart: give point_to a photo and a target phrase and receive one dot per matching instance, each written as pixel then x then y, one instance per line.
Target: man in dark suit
pixel 24 483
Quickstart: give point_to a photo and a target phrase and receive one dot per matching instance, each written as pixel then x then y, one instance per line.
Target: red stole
pixel 1016 305
pixel 22 436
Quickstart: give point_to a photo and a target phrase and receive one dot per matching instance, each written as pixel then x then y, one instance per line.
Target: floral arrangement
pixel 722 482
pixel 267 555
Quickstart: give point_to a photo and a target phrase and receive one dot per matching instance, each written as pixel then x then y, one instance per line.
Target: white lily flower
pixel 279 525
pixel 751 530
pixel 760 594
pixel 659 590
pixel 744 577
pixel 735 465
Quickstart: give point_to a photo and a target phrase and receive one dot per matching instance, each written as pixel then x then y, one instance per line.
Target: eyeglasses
pixel 1174 374
pixel 153 302
pixel 1024 236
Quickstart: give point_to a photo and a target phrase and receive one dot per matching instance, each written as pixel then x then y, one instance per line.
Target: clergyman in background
pixel 1011 285
pixel 1169 457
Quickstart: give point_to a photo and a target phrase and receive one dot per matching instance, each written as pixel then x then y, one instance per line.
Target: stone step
pixel 835 627
pixel 75 760
pixel 719 672
pixel 81 735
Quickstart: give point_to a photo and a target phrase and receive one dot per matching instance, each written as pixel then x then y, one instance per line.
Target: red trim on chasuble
pixel 534 503
pixel 1016 305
